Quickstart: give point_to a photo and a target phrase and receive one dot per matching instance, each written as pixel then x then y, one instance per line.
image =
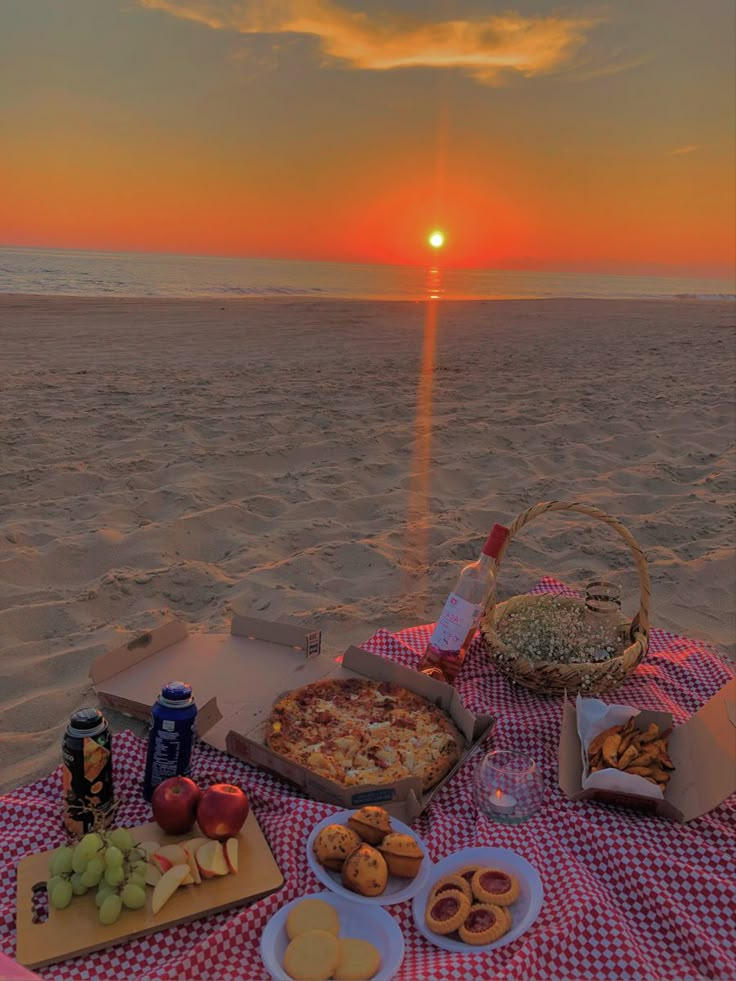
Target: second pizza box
pixel 237 677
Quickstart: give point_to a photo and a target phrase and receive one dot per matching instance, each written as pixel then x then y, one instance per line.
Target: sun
pixel 436 239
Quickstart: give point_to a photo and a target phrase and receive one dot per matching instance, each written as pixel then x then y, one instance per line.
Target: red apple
pixel 175 803
pixel 222 811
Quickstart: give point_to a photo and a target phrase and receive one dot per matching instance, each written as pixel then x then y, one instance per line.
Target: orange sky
pixel 602 139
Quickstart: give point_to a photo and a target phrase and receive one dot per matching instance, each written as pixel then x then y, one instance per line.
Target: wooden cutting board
pixel 76 930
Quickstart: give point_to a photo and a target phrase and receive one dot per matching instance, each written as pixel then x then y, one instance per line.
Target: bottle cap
pixel 177 692
pixel 86 722
pixel 495 541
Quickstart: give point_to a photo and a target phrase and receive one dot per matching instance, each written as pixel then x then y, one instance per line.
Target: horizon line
pixel 659 271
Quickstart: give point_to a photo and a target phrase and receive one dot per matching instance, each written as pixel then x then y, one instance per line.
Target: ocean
pixel 134 274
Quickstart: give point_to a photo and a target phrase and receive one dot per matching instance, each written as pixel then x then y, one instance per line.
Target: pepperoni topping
pixel 495 882
pixel 445 909
pixel 468 874
pixel 479 920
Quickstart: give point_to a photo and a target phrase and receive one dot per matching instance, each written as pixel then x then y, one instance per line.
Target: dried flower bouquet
pixel 555 628
pixel 548 644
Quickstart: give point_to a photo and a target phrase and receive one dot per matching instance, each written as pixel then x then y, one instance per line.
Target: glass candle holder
pixel 603 615
pixel 508 787
pixel 603 600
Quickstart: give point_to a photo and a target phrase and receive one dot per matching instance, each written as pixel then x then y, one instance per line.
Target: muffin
pixel 403 855
pixel 365 871
pixel 333 844
pixel 371 823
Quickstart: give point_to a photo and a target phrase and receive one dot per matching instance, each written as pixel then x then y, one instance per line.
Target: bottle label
pixel 171 751
pixel 86 780
pixel 457 618
pixel 169 748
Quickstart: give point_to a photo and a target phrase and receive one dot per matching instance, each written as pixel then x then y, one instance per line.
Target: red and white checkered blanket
pixel 626 895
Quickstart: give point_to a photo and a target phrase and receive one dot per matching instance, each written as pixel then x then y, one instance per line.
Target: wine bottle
pixel 458 622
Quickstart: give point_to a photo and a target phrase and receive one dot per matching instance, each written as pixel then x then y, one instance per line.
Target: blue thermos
pixel 173 726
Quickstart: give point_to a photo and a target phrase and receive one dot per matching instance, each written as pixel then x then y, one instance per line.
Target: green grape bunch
pixel 107 861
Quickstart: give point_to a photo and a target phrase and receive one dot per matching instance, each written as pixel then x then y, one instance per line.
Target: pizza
pixel 357 731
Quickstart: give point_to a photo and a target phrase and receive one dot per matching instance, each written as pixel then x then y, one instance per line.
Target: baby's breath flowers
pixel 556 628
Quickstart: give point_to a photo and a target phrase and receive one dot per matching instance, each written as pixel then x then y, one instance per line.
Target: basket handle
pixel 640 623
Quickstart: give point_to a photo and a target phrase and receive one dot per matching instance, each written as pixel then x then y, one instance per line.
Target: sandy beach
pixel 334 463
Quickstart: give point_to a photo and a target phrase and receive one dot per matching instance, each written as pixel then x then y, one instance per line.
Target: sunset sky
pixel 581 136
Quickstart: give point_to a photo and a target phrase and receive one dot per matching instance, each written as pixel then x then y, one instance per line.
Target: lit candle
pixel 501 802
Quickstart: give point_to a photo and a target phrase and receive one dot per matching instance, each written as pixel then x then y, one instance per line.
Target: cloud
pixel 483 47
pixel 680 150
pixel 596 65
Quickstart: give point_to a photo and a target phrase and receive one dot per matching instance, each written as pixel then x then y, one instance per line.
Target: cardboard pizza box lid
pixel 237 677
pixel 221 668
pixel 703 750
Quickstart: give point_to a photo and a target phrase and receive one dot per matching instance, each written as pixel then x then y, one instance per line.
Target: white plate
pixel 375 925
pixel 524 911
pixel 396 891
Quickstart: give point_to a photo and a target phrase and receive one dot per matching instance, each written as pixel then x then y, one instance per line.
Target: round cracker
pixel 312 956
pixel 312 914
pixel 358 960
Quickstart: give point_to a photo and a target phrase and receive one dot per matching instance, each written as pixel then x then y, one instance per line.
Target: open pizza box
pixel 237 677
pixel 703 751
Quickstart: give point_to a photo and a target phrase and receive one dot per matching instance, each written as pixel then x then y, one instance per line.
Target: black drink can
pixel 86 771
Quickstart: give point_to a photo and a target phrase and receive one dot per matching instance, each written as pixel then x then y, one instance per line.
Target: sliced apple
pixel 190 847
pixel 211 860
pixel 152 874
pixel 168 856
pixel 231 854
pixel 174 853
pixel 188 879
pixel 167 886
pixel 149 847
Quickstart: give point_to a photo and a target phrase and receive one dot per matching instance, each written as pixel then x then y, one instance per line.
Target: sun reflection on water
pixel 433 288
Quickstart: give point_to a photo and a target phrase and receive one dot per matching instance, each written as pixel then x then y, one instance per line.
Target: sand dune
pixel 163 458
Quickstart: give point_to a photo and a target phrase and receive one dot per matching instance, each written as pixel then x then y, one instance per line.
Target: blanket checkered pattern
pixel 627 895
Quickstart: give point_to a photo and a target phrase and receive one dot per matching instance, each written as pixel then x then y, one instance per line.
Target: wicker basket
pixel 551 677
